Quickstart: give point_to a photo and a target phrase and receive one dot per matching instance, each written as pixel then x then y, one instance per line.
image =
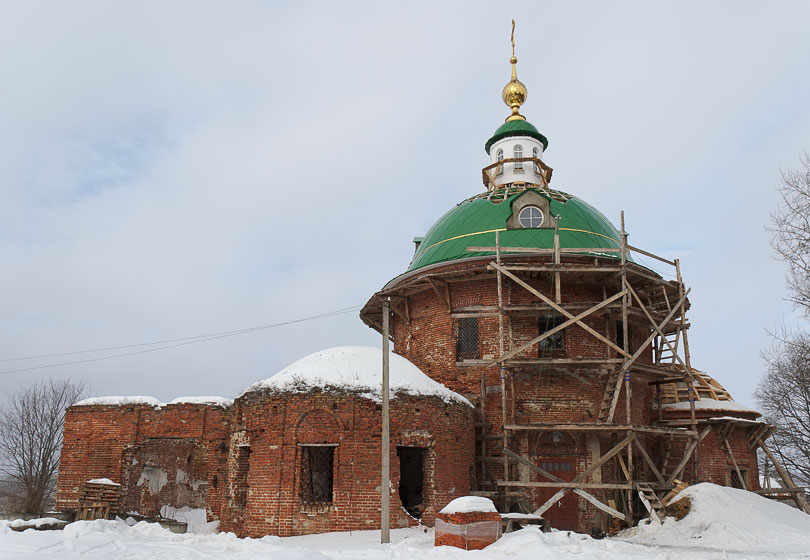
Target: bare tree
pixel 31 425
pixel 784 397
pixel 784 391
pixel 790 226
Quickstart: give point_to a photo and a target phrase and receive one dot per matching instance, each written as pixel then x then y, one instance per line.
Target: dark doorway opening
pixel 411 479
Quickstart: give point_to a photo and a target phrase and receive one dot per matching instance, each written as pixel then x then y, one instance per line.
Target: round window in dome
pixel 531 217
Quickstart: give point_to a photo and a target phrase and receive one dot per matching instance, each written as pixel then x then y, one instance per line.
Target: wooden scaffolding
pixel 634 294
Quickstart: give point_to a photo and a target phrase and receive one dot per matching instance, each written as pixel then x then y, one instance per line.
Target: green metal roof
pixel 516 128
pixel 474 222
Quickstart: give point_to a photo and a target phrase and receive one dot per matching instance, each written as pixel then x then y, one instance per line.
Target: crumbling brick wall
pixel 171 455
pixel 272 432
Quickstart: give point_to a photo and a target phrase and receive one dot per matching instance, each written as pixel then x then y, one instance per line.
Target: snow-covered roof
pixel 118 401
pixel 710 404
pixel 469 504
pixel 357 369
pixel 153 402
pixel 215 401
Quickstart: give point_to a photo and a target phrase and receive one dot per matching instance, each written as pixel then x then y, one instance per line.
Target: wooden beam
pixel 734 462
pixel 657 328
pixel 565 484
pixel 800 499
pixel 688 453
pixel 557 307
pixel 635 356
pixel 540 251
pixel 558 328
pixel 650 463
pixel 596 465
pixel 578 491
pixel 593 427
pixel 646 254
pixel 433 283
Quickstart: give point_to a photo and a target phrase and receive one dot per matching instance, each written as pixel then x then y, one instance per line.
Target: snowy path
pixel 724 524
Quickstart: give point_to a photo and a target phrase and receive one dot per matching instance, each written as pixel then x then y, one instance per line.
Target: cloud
pixel 175 169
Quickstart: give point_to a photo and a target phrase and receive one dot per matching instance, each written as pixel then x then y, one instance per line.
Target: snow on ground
pixel 355 368
pixel 724 524
pixel 732 520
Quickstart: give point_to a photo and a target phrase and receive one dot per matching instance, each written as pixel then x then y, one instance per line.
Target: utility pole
pixel 385 494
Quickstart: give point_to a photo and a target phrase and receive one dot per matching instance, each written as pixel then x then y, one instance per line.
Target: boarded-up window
pixel 467 338
pixel 317 467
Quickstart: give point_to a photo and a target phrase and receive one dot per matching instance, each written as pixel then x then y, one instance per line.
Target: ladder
pixel 609 396
pixel 650 500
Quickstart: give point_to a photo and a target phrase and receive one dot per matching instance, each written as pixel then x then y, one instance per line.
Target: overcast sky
pixel 172 169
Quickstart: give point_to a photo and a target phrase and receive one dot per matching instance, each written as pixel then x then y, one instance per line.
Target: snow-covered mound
pixel 356 369
pixel 469 504
pixel 731 520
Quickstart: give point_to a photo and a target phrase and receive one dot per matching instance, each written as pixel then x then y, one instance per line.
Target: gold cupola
pixel 514 93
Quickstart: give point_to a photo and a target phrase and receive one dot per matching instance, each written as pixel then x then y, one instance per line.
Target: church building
pixel 537 361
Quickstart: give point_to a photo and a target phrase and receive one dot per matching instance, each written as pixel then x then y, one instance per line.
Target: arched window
pixel 499 157
pixel 518 154
pixel 534 155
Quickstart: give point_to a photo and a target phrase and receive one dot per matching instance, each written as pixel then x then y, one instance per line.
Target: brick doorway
pixel 411 479
pixel 564 515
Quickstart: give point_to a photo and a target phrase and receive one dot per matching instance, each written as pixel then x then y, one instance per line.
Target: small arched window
pixel 518 154
pixel 534 155
pixel 499 157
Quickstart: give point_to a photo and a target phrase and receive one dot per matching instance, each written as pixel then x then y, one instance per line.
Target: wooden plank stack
pixel 98 501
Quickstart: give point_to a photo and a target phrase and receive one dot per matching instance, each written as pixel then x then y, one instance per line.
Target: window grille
pixel 317 467
pixel 518 154
pixel 467 339
pixel 499 157
pixel 736 482
pixel 534 155
pixel 555 342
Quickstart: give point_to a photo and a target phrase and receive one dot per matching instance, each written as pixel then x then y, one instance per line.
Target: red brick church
pixel 539 361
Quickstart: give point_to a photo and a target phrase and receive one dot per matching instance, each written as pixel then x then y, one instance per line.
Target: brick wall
pixel 276 427
pixel 168 455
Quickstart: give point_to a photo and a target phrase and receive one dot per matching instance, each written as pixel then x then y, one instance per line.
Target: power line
pixel 168 343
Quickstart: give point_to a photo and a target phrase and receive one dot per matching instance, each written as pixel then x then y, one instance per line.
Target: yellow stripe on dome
pixel 504 229
pixel 591 232
pixel 463 235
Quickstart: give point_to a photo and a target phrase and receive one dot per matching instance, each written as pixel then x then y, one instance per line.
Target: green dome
pixel 474 222
pixel 516 128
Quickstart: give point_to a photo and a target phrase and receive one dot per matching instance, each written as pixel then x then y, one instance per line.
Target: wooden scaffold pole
pixel 501 368
pixel 626 373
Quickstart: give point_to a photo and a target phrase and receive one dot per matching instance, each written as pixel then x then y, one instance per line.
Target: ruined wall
pixel 270 438
pixel 173 455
